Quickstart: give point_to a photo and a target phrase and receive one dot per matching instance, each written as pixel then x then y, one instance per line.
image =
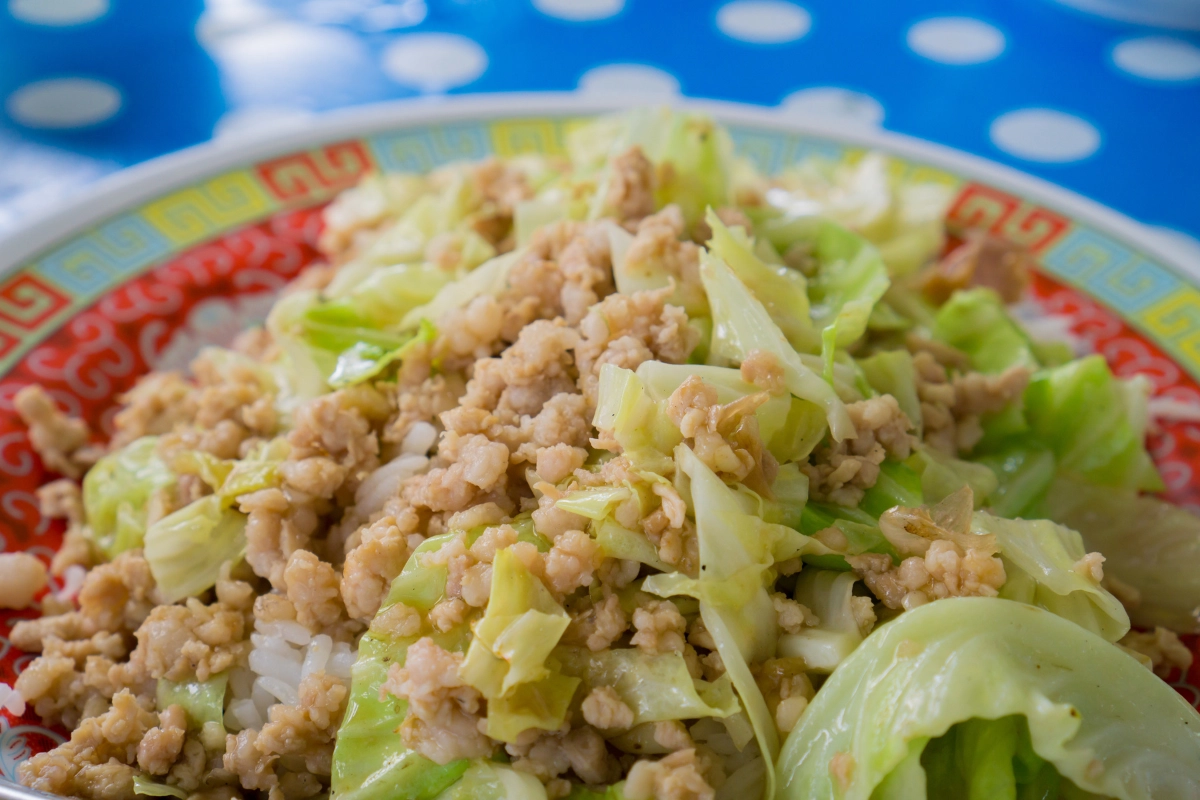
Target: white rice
pixel 72 582
pixel 282 655
pixel 384 483
pixel 419 439
pixel 11 700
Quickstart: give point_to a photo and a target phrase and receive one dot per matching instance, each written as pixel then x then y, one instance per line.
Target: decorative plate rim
pixel 129 187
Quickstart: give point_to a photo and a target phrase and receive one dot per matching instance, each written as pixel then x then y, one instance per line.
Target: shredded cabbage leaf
pixel 1085 701
pixel 151 788
pixel 1039 560
pixel 370 761
pixel 975 322
pixel 1148 543
pixel 736 550
pixel 741 325
pixel 851 278
pixel 186 549
pixel 507 658
pixel 657 687
pixel 827 594
pixel 116 490
pixel 782 290
pixel 204 703
pixel 485 780
pixel 1094 423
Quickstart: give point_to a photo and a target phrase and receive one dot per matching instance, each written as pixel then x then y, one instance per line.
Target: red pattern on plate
pixel 140 326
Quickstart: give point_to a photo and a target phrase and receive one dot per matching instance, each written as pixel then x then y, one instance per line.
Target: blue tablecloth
pixel 1100 96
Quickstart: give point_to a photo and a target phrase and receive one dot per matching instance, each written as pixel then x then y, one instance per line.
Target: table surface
pixel 1107 107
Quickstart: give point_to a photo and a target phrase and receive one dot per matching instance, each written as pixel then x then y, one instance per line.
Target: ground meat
pixel 194 641
pixel 604 709
pixel 586 267
pixel 56 438
pixel 501 186
pixel 792 616
pixel 659 627
pixel 548 755
pixel 785 688
pixel 337 426
pixel 115 597
pixel 94 763
pixel 1091 566
pixel 163 743
pixel 724 437
pixel 571 562
pixel 841 472
pixel 477 467
pixel 397 621
pixel 157 404
pixel 22 576
pixel 381 552
pixel 598 626
pixel 443 712
pixel 763 369
pixel 253 768
pixel 1161 648
pixel 628 329
pixel 678 776
pixel 559 461
pixel 307 728
pixel 951 407
pixel 942 558
pixel 61 499
pixel 312 587
pixel 944 571
pixel 658 249
pixel 981 260
pixel 422 402
pixel 630 185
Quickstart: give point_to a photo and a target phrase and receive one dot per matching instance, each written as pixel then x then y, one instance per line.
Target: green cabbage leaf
pixel 1039 559
pixel 1148 543
pixel 736 552
pixel 1094 423
pixel 1101 719
pixel 187 548
pixel 741 325
pixel 116 490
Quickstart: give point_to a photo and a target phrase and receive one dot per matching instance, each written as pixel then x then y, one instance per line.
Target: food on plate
pixel 629 474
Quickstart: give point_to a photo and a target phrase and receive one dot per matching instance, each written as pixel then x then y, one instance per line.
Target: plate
pixel 187 250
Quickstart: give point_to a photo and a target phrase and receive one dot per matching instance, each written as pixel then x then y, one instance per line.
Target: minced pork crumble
pixel 495 414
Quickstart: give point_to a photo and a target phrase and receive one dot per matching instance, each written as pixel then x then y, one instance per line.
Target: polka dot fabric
pixel 1100 96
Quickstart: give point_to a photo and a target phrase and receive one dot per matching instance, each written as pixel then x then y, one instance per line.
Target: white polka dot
pixel 64 103
pixel 629 79
pixel 763 21
pixel 434 62
pixel 256 119
pixel 955 40
pixel 1158 58
pixel 263 60
pixel 1043 134
pixel 57 12
pixel 579 10
pixel 833 103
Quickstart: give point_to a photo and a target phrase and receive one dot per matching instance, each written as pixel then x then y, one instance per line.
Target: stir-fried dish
pixel 630 474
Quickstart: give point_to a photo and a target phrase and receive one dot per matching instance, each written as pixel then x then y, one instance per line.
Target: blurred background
pixel 1100 96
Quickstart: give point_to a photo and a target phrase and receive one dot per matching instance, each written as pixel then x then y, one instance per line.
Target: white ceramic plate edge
pixel 131 187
